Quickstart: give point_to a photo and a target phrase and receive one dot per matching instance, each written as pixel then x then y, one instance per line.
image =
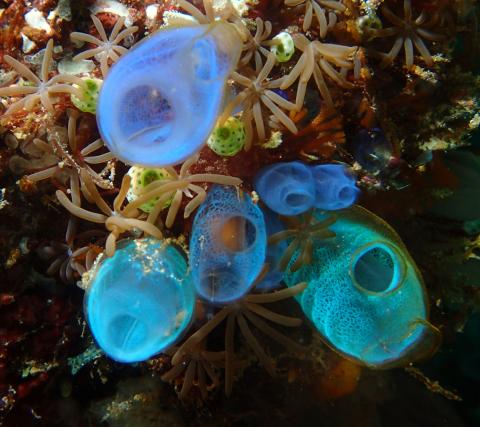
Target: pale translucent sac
pixel 139 301
pixel 227 245
pixel 365 294
pixel 161 100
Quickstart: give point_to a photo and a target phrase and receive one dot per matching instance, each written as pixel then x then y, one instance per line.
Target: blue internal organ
pixel 140 301
pixel 334 187
pixel 286 188
pixel 227 245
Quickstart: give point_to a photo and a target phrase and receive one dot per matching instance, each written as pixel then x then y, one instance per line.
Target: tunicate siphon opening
pixel 347 193
pixel 146 112
pixel 298 199
pixel 238 233
pixel 127 333
pixel 376 269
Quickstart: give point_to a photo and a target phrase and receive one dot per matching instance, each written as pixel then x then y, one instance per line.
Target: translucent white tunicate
pixel 161 100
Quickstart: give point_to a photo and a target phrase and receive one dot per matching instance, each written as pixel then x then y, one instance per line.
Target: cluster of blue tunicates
pixel 156 108
pixel 227 245
pixel 141 300
pixel 293 188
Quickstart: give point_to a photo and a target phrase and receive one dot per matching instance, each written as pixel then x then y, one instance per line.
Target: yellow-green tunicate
pixel 141 177
pixel 90 90
pixel 284 48
pixel 229 139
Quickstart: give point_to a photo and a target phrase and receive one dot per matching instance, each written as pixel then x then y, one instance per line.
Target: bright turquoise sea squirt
pixel 140 301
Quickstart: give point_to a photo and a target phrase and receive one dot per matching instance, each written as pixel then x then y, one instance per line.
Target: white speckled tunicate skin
pixel 161 100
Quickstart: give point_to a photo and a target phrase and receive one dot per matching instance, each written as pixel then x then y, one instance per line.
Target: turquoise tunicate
pixel 161 100
pixel 140 301
pixel 365 294
pixel 283 47
pixel 227 245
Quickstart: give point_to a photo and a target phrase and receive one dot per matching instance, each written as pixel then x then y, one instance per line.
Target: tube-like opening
pixel 377 268
pixel 296 200
pixel 347 193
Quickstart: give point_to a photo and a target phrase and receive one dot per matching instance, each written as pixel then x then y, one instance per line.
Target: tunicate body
pixel 283 47
pixel 140 178
pixel 334 187
pixel 293 188
pixel 140 301
pixel 227 245
pixel 365 294
pixel 229 139
pixel 161 100
pixel 286 188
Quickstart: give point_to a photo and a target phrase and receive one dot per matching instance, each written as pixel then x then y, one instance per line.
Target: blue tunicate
pixel 161 100
pixel 227 245
pixel 365 294
pixel 274 252
pixel 334 187
pixel 293 188
pixel 140 301
pixel 286 188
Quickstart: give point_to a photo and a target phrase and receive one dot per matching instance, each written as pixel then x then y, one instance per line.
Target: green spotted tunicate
pixel 229 139
pixel 284 48
pixel 141 177
pixel 90 90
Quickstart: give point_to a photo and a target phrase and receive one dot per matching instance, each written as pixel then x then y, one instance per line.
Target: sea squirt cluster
pixel 294 188
pixel 228 244
pixel 222 184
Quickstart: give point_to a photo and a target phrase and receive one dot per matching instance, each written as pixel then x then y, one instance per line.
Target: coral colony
pixel 172 247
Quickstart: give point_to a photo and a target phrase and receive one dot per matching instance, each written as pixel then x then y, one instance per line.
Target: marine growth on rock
pixel 198 164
